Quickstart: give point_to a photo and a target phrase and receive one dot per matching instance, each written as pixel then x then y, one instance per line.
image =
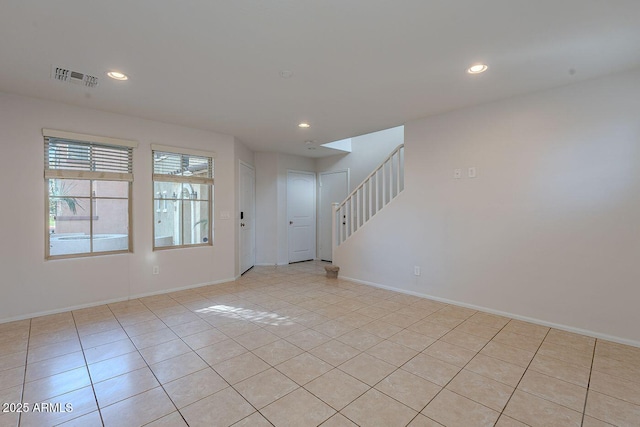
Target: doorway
pixel 301 215
pixel 334 188
pixel 247 247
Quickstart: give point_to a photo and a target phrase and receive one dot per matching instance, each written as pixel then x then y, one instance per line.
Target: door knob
pixel 242 224
pixel 290 222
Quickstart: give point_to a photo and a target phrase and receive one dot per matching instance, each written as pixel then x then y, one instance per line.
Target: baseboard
pixel 112 301
pixel 567 328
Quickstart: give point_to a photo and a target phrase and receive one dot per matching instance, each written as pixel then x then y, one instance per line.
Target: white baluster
pixel 351 217
pixel 335 221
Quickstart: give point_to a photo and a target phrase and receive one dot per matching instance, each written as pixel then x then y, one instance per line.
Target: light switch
pixel 225 215
pixel 472 172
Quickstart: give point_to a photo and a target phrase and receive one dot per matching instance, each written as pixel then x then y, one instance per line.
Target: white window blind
pixel 65 158
pixel 175 167
pixel 89 180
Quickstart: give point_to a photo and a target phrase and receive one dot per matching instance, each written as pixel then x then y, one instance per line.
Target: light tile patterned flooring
pixel 286 347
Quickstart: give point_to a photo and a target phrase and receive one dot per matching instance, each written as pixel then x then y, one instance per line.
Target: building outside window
pixel 182 197
pixel 88 182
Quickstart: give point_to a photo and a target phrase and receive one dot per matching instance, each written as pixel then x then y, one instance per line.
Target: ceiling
pixel 357 66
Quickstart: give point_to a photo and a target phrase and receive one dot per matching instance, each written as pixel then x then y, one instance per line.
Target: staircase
pixel 374 193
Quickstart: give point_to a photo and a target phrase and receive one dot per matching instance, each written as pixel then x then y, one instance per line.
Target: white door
pixel 301 215
pixel 247 217
pixel 334 188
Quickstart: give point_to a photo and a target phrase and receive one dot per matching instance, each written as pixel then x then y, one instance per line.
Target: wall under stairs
pixel 548 230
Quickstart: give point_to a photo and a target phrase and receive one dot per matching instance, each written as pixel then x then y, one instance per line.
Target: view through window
pixel 88 190
pixel 182 199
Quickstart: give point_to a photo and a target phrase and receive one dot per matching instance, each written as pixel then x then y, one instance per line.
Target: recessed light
pixel 304 125
pixel 116 75
pixel 477 68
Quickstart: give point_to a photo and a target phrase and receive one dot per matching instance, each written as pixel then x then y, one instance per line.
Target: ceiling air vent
pixel 66 75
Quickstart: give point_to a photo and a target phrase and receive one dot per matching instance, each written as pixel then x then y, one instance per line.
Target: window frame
pixel 210 182
pixel 90 177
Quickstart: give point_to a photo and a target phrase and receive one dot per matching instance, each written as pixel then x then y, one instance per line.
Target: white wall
pixel 31 285
pixel 272 245
pixel 550 228
pixel 245 155
pixel 266 208
pixel 368 151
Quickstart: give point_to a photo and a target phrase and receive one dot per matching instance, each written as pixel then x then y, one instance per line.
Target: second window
pixel 182 199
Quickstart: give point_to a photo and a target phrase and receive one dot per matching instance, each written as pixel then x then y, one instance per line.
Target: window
pixel 88 189
pixel 182 197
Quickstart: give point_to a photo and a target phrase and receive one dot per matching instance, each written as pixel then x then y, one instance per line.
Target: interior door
pixel 301 215
pixel 334 188
pixel 247 217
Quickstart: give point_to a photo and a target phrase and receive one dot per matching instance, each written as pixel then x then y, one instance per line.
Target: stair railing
pixel 374 193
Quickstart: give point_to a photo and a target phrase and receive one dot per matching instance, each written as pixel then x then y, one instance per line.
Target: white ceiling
pixel 358 65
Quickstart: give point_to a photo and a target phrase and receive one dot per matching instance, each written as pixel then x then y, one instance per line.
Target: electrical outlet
pixel 416 270
pixel 156 269
pixel 457 173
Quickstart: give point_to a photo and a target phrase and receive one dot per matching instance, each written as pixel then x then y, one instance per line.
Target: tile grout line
pixel 461 369
pixel 527 368
pixel 154 374
pixel 437 340
pixel 285 375
pixel 208 365
pixel 523 374
pixel 618 377
pixel 396 369
pixel 116 318
pixel 586 397
pixel 365 351
pixel 204 361
pixel 560 379
pixel 385 339
pixel 338 367
pixel 86 364
pixel 185 343
pixel 26 364
pixel 399 367
pixel 270 367
pixel 145 362
pixel 245 319
pixel 257 288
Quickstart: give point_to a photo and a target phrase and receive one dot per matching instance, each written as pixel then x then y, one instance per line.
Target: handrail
pixel 380 166
pixel 381 186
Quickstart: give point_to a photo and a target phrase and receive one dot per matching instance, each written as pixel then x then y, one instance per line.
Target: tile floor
pixel 286 347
